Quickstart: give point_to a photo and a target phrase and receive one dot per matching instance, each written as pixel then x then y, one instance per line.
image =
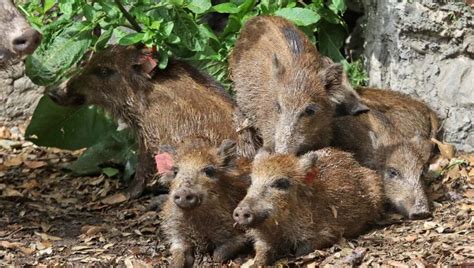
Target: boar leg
pixel 304 248
pixel 145 168
pixel 263 254
pixel 229 249
pixel 181 254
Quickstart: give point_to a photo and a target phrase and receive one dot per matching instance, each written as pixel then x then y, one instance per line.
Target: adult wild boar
pixel 378 144
pixel 206 185
pixel 161 106
pixel 18 38
pixel 284 88
pixel 299 204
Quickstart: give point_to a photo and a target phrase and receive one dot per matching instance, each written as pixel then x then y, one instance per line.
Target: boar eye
pixel 392 173
pixel 209 170
pixel 103 72
pixel 281 184
pixel 310 110
pixel 175 170
pixel 278 107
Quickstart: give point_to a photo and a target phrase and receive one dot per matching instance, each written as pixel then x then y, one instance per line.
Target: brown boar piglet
pixel 206 185
pixel 298 204
pixel 160 106
pixel 400 161
pixel 283 86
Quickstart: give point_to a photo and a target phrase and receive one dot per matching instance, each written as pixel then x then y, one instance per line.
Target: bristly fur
pixel 176 103
pixel 207 228
pixel 342 200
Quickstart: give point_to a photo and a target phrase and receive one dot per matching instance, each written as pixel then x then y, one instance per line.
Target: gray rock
pixel 425 49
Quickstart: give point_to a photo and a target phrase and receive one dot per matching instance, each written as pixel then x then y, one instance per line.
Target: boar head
pixel 200 174
pixel 401 166
pixel 278 184
pixel 18 38
pixel 117 78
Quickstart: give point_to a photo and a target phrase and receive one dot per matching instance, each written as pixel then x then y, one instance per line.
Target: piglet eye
pixel 392 173
pixel 281 184
pixel 209 171
pixel 175 170
pixel 310 110
pixel 103 72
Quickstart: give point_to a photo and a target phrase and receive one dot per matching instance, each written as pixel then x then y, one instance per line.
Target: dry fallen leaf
pixel 10 245
pixel 447 150
pixel 9 192
pixel 35 164
pixel 13 162
pixel 46 237
pixel 114 199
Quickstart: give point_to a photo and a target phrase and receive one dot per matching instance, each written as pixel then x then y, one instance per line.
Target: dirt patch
pixel 49 217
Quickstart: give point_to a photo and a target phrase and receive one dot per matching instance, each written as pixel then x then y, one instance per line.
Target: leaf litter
pixel 50 217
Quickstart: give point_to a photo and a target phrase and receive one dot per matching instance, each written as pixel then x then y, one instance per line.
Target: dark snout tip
pixel 186 199
pixel 245 217
pixel 420 215
pixel 27 42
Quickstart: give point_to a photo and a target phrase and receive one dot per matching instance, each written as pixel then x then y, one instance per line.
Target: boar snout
pixel 61 95
pixel 420 210
pixel 27 42
pixel 245 216
pixel 185 198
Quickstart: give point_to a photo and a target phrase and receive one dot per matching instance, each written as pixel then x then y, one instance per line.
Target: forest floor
pixel 48 217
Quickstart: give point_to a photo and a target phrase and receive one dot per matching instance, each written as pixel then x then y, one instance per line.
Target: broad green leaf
pixel 48 4
pixel 331 38
pixel 103 39
pixel 338 6
pixel 68 128
pixel 199 6
pixel 110 172
pixel 114 148
pixel 55 56
pixel 229 7
pixel 132 38
pixel 299 16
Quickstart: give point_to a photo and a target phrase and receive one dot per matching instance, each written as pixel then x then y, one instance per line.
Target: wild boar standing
pixel 298 204
pixel 206 184
pixel 161 106
pixel 283 88
pixel 18 38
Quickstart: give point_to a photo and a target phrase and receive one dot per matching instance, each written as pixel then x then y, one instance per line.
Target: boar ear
pixel 227 151
pixel 423 146
pixel 277 67
pixel 308 160
pixel 144 61
pixel 331 77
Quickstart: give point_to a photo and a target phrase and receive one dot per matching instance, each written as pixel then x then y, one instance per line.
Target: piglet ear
pixel 228 151
pixel 145 61
pixel 308 160
pixel 332 78
pixel 164 159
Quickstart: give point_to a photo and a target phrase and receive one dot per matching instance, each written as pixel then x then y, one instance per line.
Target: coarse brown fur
pixel 377 144
pixel 294 215
pixel 175 103
pixel 411 117
pixel 283 87
pixel 207 227
pixel 18 37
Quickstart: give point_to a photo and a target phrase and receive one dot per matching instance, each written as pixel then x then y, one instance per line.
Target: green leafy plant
pixel 177 28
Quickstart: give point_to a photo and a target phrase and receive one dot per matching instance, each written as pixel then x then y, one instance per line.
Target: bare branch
pixel 129 17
